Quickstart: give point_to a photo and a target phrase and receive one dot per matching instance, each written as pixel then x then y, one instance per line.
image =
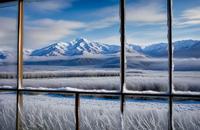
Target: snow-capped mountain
pixel 79 46
pixel 82 46
pixel 182 49
pixel 8 55
pixel 132 47
pixel 2 55
pixel 187 48
pixel 27 52
pixel 156 50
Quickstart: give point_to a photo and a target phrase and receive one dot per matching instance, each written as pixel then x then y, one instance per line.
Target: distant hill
pixel 182 49
pixel 84 47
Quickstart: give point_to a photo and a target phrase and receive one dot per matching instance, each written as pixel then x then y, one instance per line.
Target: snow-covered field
pixel 103 80
pixel 56 112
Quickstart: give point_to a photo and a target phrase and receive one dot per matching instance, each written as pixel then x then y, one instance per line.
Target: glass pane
pixel 72 44
pixel 146 113
pixel 186 46
pixel 100 113
pixel 8 44
pixel 186 114
pixel 146 48
pixel 48 111
pixel 7 111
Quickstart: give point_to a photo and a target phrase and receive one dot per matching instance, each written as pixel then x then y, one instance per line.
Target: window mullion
pixel 77 109
pixel 19 103
pixel 170 61
pixel 122 57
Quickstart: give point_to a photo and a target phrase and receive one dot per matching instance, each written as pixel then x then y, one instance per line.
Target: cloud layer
pixel 44 31
pixel 8 33
pixel 189 17
pixel 41 31
pixel 146 13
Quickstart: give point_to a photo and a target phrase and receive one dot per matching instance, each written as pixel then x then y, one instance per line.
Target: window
pixel 147 71
pixel 8 49
pixel 65 45
pixel 102 79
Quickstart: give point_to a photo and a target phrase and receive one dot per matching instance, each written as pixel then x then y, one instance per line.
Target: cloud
pixel 143 13
pixel 188 18
pixel 102 23
pixel 148 12
pixel 50 5
pixel 44 31
pixel 192 14
pixel 114 39
pixel 41 32
pixel 103 18
pixel 8 33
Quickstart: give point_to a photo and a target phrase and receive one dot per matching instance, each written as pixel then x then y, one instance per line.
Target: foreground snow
pixel 56 112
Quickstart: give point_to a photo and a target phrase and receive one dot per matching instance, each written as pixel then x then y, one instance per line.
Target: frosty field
pixel 93 79
pixel 56 112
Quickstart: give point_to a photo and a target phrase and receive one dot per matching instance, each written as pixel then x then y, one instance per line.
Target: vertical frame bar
pixel 122 57
pixel 19 103
pixel 170 60
pixel 123 49
pixel 77 106
pixel 20 42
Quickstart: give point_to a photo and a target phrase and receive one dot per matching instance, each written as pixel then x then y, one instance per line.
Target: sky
pixel 47 21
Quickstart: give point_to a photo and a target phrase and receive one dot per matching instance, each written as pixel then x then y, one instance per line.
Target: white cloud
pixel 49 5
pixel 44 31
pixel 8 33
pixel 147 12
pixel 143 13
pixel 192 14
pixel 114 39
pixel 45 6
pixel 188 18
pixel 102 23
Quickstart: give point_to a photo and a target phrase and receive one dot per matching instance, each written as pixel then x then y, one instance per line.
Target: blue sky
pixel 48 21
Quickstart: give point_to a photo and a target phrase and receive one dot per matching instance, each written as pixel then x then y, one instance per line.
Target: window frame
pixel 170 95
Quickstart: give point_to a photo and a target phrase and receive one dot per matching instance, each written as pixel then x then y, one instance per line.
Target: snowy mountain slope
pixel 182 49
pixel 83 47
pixel 8 56
pixel 2 55
pixel 156 50
pixel 132 47
pixel 79 46
pixel 187 48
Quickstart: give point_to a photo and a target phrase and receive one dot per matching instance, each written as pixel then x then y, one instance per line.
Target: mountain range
pixel 84 47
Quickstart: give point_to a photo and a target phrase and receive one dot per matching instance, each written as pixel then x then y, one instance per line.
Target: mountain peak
pixel 81 39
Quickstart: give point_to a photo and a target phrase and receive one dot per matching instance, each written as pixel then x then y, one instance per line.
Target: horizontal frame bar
pixel 103 93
